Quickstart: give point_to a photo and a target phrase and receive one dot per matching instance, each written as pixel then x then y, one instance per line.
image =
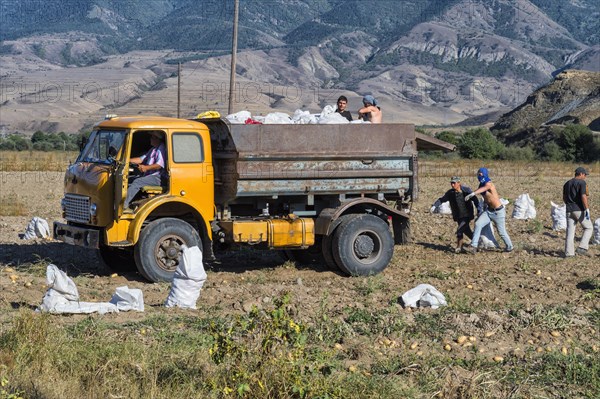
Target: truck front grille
pixel 77 208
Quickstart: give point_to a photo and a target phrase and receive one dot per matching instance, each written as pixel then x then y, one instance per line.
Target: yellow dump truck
pixel 337 194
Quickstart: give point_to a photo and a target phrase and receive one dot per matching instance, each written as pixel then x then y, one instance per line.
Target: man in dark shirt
pixel 342 102
pixel 462 210
pixel 575 196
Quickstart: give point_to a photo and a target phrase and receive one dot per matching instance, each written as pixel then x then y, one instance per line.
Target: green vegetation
pixel 480 144
pixel 448 136
pixel 41 141
pixel 579 18
pixel 577 144
pixel 278 353
pixel 571 143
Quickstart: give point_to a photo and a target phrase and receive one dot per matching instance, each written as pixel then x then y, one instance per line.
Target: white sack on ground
pixel 126 298
pixel 559 216
pixel 62 296
pixel 188 280
pixel 423 295
pixel 596 239
pixel 524 207
pixel 37 227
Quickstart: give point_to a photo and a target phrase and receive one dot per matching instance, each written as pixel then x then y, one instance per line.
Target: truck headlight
pixel 93 209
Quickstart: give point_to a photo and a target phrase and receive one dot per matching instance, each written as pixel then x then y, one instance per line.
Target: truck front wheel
pixel 363 245
pixel 158 250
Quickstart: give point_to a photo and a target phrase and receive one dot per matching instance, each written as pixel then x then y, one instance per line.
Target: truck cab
pixel 96 186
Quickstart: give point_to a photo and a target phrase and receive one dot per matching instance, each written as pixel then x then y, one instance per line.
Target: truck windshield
pixel 103 146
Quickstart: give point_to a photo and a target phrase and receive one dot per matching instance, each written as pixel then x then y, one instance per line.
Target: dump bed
pixel 279 160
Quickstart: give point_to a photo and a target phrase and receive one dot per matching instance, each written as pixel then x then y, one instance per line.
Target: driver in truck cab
pixel 151 166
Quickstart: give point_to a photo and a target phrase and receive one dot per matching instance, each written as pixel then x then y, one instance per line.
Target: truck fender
pixel 141 216
pixel 327 220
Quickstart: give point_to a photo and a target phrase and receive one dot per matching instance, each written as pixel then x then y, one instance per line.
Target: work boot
pixel 582 252
pixel 471 250
pixel 457 250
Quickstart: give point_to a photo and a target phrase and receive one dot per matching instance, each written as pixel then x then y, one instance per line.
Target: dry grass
pixel 11 205
pixel 467 168
pixel 21 161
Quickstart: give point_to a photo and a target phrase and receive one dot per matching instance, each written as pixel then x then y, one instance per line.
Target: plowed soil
pixel 495 290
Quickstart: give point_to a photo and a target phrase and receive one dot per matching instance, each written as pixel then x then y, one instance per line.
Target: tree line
pixel 41 141
pixel 571 143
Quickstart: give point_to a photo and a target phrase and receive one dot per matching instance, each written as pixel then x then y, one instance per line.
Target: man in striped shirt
pixel 151 165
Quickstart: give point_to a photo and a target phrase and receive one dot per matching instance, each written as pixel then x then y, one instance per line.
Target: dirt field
pixel 494 291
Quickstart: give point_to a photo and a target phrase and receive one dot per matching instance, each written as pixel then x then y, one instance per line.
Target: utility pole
pixel 178 89
pixel 233 55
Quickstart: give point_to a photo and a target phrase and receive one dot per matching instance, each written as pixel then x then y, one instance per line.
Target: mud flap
pixel 401 228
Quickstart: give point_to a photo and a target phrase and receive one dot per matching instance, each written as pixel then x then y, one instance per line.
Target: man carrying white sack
pixel 462 209
pixel 494 211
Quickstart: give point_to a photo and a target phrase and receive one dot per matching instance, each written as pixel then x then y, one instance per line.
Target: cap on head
pixel 455 179
pixel 158 135
pixel 581 171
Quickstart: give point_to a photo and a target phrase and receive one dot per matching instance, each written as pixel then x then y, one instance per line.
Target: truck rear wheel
pixel 117 259
pixel 158 250
pixel 327 246
pixel 327 249
pixel 363 245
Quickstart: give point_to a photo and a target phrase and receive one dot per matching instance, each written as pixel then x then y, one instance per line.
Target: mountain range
pixel 66 63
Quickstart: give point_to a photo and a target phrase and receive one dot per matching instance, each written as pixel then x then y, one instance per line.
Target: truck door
pixel 120 186
pixel 191 170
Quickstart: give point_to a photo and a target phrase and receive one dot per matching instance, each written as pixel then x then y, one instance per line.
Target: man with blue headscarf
pixel 370 112
pixel 494 212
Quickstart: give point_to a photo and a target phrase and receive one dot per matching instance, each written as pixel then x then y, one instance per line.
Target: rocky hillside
pixel 572 97
pixel 426 61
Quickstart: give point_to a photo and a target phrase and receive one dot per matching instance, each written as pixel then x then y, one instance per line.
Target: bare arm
pixel 146 168
pixel 483 188
pixel 366 110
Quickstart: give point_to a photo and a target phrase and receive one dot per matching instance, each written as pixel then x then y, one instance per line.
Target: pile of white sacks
pixel 62 295
pixel 300 117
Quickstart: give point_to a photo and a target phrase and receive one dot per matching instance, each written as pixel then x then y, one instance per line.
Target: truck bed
pixel 279 160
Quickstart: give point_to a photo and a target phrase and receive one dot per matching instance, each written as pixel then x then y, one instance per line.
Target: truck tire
pixel 327 245
pixel 363 245
pixel 327 249
pixel 117 259
pixel 158 250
